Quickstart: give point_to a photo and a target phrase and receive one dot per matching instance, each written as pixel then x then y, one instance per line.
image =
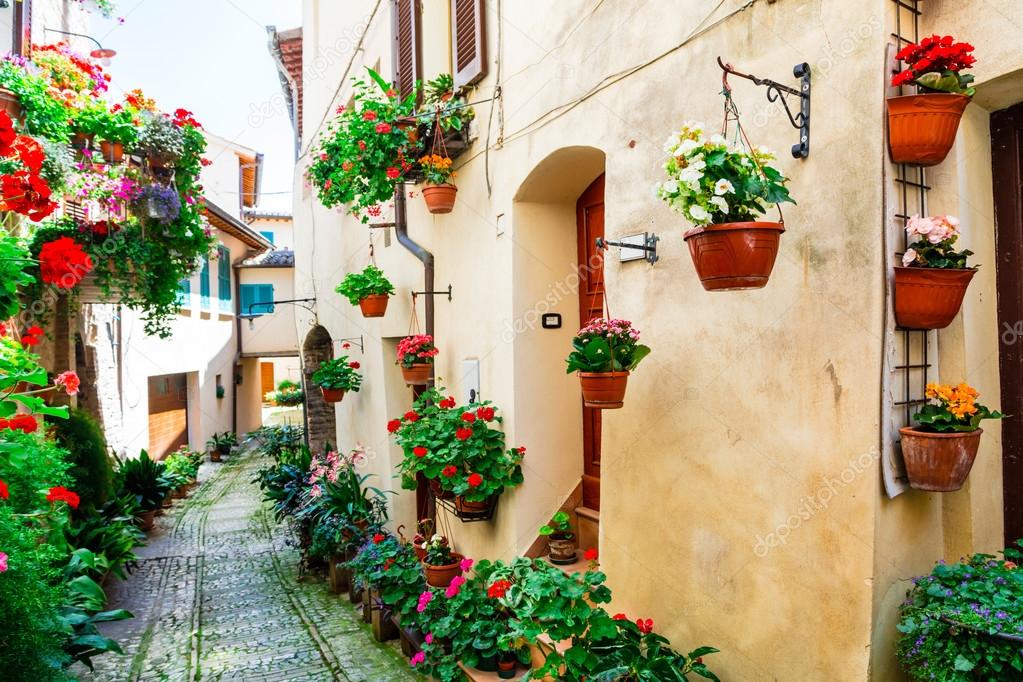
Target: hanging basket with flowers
pixel 939 451
pixel 931 284
pixel 604 352
pixel 369 289
pixel 922 127
pixel 722 188
pixel 415 357
pixel 337 376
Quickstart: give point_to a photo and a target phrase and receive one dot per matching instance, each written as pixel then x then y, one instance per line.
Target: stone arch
pixel 320 422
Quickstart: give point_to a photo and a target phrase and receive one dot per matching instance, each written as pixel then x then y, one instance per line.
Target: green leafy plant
pixel 711 181
pixel 144 478
pixel 606 346
pixel 956 409
pixel 288 394
pixel 91 468
pixel 42 113
pixel 370 282
pixel 14 263
pixel 559 523
pixel 285 483
pixel 159 138
pixel 107 124
pixel 459 447
pixel 222 442
pixel 273 441
pixel 963 621
pixel 441 103
pixel 339 374
pixel 438 551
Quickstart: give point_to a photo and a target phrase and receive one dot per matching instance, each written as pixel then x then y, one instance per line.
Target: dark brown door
pixel 168 414
pixel 590 226
pixel 1007 160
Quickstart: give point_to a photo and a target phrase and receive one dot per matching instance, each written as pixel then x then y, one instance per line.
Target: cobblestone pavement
pixel 217 596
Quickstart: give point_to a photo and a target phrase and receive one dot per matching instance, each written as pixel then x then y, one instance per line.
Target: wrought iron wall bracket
pixel 434 293
pixel 776 92
pixel 355 340
pixel 648 247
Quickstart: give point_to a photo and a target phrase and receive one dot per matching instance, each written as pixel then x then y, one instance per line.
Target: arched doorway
pixel 320 422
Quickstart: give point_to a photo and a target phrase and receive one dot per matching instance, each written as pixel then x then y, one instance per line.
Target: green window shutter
pixel 269 235
pixel 204 283
pixel 266 293
pixel 257 293
pixel 224 278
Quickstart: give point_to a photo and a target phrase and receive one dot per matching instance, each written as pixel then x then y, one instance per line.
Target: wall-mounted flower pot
pixel 603 390
pixel 374 305
pixel 939 462
pixel 922 128
pixel 332 395
pixel 731 256
pixel 471 507
pixel 417 375
pixel 561 548
pixel 440 198
pixel 10 103
pixel 929 298
pixel 113 152
pixel 439 492
pixel 441 576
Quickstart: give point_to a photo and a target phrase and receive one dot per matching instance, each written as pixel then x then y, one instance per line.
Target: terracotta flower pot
pixel 80 141
pixel 938 462
pixel 929 298
pixel 506 670
pixel 468 507
pixel 604 390
pixel 922 128
pixel 10 103
pixel 734 255
pixel 441 576
pixel 146 519
pixel 438 490
pixel 332 395
pixel 214 455
pixel 420 551
pixel 374 305
pixel 418 374
pixel 561 548
pixel 440 198
pixel 113 152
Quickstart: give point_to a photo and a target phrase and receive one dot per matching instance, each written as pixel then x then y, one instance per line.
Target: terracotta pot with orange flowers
pixel 939 451
pixel 439 194
pixel 922 127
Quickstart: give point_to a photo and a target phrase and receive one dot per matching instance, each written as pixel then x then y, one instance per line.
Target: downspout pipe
pixel 401 230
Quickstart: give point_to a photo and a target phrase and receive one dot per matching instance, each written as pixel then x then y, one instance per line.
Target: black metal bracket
pixel 353 340
pixel 434 293
pixel 649 246
pixel 778 92
pixel 297 301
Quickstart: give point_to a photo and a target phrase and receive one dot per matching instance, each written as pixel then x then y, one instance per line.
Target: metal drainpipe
pixel 401 229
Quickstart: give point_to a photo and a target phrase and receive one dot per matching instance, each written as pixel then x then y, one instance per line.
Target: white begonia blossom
pixel 718 139
pixel 699 214
pixel 909 257
pixel 686 146
pixel 670 186
pixel 720 203
pixel 722 187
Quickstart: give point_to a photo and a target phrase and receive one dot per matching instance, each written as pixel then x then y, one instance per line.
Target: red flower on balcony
pixel 468 417
pixel 27 194
pixel 485 413
pixel 449 471
pixel 447 403
pixel 63 263
pixel 20 422
pixel 411 416
pixel 645 626
pixel 498 589
pixel 61 494
pixel 4 493
pixel 69 381
pixel 590 554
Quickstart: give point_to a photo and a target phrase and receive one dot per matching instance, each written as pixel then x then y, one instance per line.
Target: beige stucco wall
pixel 283 230
pixel 741 499
pixel 271 332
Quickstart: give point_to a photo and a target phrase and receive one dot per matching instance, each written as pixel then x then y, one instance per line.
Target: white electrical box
pixel 471 381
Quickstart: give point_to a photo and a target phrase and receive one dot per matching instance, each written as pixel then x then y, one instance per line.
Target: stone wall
pixel 320 419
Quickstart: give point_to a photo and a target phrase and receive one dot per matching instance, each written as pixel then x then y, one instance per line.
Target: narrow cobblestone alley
pixel 216 596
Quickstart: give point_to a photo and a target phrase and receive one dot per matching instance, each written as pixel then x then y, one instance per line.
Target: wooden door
pixel 590 226
pixel 266 379
pixel 1007 161
pixel 168 414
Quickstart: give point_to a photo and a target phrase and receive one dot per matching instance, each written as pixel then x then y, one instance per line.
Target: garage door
pixel 168 414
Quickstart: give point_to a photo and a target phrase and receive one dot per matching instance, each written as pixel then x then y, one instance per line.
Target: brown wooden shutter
pixel 408 50
pixel 22 28
pixel 468 41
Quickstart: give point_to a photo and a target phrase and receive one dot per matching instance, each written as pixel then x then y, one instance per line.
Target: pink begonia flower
pixel 466 565
pixel 424 599
pixel 3 562
pixel 429 638
pixel 418 658
pixel 455 587
pixel 908 258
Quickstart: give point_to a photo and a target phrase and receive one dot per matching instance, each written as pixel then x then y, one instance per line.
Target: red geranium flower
pixel 34 330
pixel 522 449
pixel 498 589
pixel 63 263
pixel 362 146
pixel 354 364
pixel 485 413
pixel 369 115
pixel 447 403
pixel 69 381
pixel 419 451
pixel 590 554
pixel 449 471
pixel 26 194
pixel 25 423
pixel 3 329
pixel 411 416
pixel 393 425
pixel 619 616
pixel 383 128
pixel 468 417
pixel 645 626
pixel 62 494
pixel 378 538
pixel 30 152
pixel 4 493
pixel 393 173
pixel 463 434
pixel 474 480
pixel 7 133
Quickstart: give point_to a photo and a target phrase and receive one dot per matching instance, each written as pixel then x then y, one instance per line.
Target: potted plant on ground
pixel 604 353
pixel 722 189
pixel 335 377
pixel 931 284
pixel 560 539
pixel 415 356
pixel 145 479
pixel 440 564
pixel 288 394
pixel 922 127
pixel 220 444
pixel 939 451
pixel 368 289
pixel 439 194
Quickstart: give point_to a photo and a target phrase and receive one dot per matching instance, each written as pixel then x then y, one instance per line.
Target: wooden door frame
pixel 591 197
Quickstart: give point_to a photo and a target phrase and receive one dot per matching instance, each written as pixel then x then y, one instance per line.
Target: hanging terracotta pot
pixel 604 390
pixel 374 305
pixel 922 128
pixel 929 298
pixel 440 198
pixel 441 576
pixel 113 152
pixel 10 104
pixel 731 256
pixel 939 462
pixel 418 374
pixel 332 395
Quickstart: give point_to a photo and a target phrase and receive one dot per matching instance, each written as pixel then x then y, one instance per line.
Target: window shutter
pixel 408 49
pixel 248 298
pixel 224 277
pixel 468 41
pixel 22 28
pixel 266 294
pixel 204 283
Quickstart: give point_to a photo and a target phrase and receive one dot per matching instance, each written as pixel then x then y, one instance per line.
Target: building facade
pixel 749 495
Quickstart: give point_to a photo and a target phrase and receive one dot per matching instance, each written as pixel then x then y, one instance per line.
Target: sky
pixel 211 57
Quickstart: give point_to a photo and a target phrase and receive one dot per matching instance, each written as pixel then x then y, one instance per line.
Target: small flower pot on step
pixel 332 395
pixel 507 670
pixel 441 576
pixel 938 462
pixel 731 256
pixel 374 305
pixel 922 128
pixel 929 298
pixel 604 390
pixel 417 375
pixel 561 548
pixel 440 198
